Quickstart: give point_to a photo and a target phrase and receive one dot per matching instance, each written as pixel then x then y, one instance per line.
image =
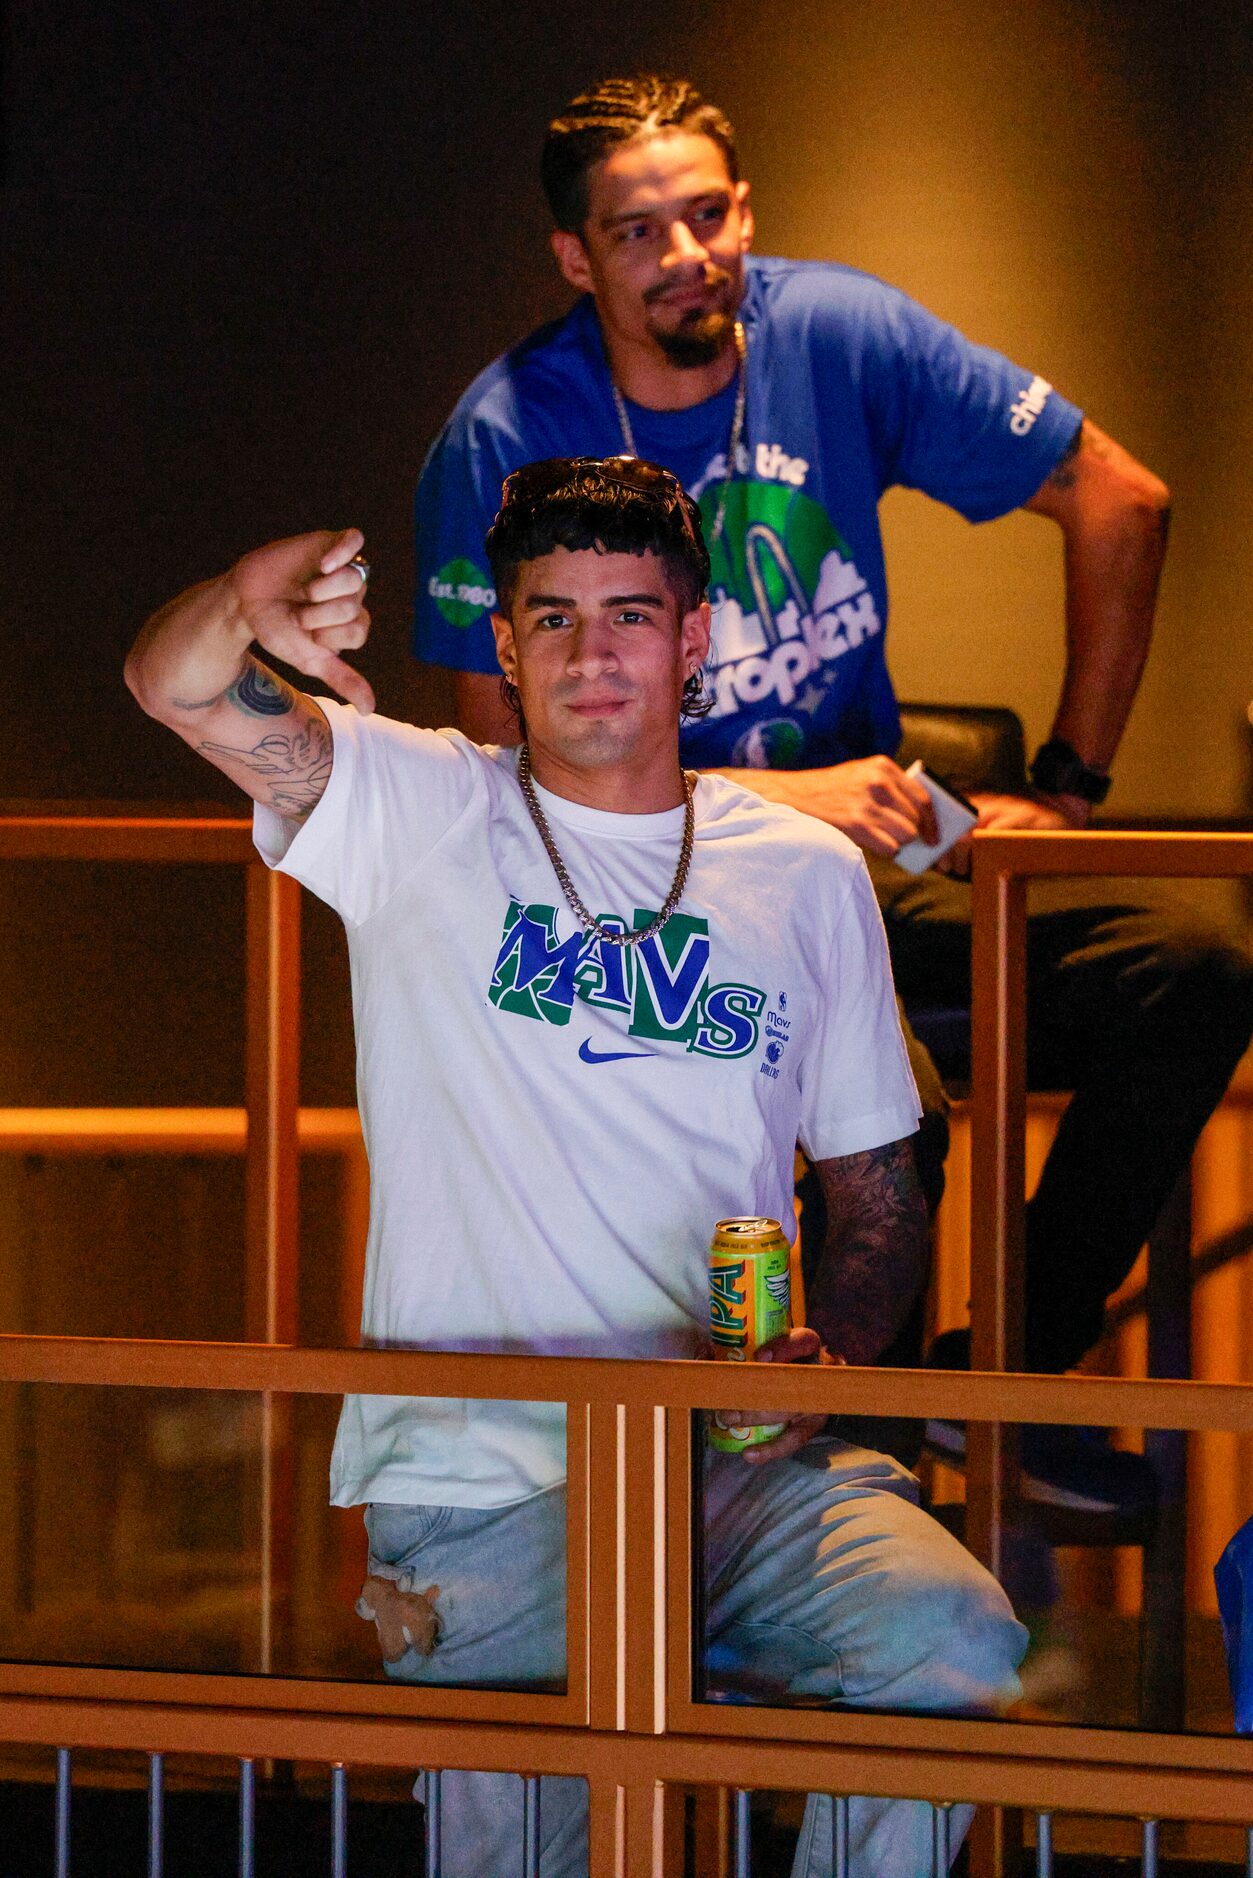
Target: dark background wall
pixel 251 253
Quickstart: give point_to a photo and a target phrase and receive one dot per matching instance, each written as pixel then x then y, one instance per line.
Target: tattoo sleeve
pixel 875 1258
pixel 294 758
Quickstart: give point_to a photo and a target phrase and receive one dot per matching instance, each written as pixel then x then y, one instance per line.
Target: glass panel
pixel 823 1583
pixel 820 1583
pixel 132 1529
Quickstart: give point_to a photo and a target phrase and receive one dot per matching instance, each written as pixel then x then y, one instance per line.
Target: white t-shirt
pixel 553 1124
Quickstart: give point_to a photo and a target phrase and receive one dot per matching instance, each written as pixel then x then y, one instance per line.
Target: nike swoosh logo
pixel 588 1055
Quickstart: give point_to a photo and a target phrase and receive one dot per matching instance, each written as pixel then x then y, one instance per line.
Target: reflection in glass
pixel 135 1536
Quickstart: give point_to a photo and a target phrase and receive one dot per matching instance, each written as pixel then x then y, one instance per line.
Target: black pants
pixel 1144 1017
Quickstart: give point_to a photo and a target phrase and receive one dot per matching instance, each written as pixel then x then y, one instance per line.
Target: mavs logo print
pixel 788 604
pixel 662 985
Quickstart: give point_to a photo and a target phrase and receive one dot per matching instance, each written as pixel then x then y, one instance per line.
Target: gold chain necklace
pixel 737 426
pixel 588 920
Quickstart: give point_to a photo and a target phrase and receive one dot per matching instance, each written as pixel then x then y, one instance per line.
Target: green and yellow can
pixel 750 1301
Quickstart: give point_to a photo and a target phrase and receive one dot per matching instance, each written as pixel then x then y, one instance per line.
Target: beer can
pixel 750 1298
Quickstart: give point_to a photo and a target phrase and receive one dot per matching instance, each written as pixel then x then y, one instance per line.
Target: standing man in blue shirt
pixel 788 397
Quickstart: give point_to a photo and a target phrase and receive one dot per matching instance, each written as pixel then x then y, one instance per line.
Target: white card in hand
pixel 953 814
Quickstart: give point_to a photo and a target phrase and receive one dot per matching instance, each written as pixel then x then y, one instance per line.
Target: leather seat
pixel 971 746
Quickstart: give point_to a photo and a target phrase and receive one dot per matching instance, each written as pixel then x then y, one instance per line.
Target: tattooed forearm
pixel 260 691
pixel 256 691
pixel 1063 476
pixel 296 765
pixel 875 1259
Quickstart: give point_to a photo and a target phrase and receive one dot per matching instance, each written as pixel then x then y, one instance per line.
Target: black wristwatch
pixel 1059 770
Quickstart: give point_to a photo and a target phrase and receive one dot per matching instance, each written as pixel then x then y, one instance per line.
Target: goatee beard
pixel 691 347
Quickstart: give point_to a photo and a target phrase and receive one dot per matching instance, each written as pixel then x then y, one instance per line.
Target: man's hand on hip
pixel 792 1346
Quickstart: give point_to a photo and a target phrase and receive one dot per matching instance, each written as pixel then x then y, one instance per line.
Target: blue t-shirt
pixel 852 387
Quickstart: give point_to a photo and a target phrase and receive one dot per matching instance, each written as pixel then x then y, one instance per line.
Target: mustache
pixel 711 277
pixel 576 693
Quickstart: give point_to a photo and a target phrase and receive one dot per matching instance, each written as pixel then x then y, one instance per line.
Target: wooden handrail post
pixel 642 1459
pixel 272 1095
pixel 606 1829
pixel 997 1247
pixel 272 1196
pixel 998 1177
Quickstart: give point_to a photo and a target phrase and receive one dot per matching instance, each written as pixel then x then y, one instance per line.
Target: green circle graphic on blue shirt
pixel 462 592
pixel 773 543
pixel 775 743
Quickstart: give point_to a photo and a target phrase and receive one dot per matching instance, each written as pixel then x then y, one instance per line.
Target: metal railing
pixel 738 1824
pixel 629 1721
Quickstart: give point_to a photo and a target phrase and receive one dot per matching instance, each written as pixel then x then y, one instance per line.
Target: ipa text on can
pixel 749 1303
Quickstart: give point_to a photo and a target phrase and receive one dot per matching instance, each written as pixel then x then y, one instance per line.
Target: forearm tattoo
pixel 1063 476
pixel 256 691
pixel 874 1261
pixel 261 692
pixel 297 761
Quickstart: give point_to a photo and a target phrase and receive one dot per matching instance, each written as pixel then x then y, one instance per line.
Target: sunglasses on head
pixel 629 472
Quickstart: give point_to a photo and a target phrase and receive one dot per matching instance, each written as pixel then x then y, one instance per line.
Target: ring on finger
pixel 361 566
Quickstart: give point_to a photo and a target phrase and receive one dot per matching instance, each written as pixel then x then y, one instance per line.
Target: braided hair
pixel 617 111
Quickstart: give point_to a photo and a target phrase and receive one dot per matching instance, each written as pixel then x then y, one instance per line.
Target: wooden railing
pixel 1003 866
pixel 630 1720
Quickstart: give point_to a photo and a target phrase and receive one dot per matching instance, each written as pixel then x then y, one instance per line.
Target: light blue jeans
pixel 825 1582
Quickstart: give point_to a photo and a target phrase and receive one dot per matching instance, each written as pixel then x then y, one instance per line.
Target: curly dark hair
pixel 613 505
pixel 617 111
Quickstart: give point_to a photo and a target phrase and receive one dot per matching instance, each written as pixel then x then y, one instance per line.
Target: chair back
pixel 972 746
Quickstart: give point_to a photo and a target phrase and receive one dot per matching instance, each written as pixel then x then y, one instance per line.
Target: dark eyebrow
pixel 537 601
pixel 688 202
